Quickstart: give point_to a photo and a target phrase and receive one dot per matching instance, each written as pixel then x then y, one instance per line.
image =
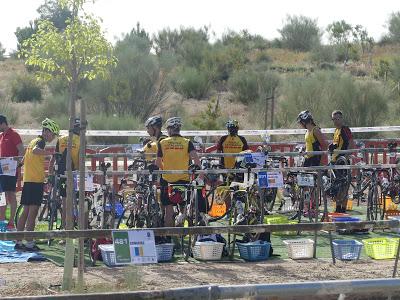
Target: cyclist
pixel 175 153
pixel 342 140
pixel 315 140
pixel 10 145
pixel 61 148
pixel 153 126
pixel 34 174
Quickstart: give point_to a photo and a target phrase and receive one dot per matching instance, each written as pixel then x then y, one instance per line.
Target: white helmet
pixel 174 122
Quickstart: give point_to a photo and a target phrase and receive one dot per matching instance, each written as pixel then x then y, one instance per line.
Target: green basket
pixel 270 220
pixel 381 248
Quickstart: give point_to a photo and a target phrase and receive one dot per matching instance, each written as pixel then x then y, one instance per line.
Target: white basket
pixel 396 230
pixel 108 254
pixel 300 248
pixel 208 250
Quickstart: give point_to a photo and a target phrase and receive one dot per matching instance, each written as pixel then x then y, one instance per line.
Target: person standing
pixel 34 176
pixel 10 146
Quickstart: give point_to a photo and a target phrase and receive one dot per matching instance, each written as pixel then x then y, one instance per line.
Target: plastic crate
pixel 381 248
pixel 300 248
pixel 347 249
pixel 3 226
pixel 208 250
pixel 253 251
pixel 280 220
pixel 389 205
pixel 396 230
pixel 165 252
pixel 335 215
pixel 108 254
pixel 345 219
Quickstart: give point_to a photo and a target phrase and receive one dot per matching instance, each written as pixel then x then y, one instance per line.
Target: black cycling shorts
pixel 32 193
pixel 8 183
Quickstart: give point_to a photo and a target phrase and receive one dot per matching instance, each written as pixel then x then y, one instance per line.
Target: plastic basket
pixel 280 220
pixel 389 205
pixel 108 254
pixel 347 249
pixel 397 230
pixel 335 215
pixel 381 248
pixel 300 248
pixel 3 226
pixel 208 250
pixel 165 252
pixel 345 219
pixel 253 251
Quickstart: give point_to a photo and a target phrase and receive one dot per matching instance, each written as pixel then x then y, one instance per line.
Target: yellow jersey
pixel 61 147
pixel 231 144
pixel 341 138
pixel 174 151
pixel 312 144
pixel 34 164
pixel 150 149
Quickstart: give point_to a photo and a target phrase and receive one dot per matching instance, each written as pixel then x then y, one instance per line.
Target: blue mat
pixel 9 255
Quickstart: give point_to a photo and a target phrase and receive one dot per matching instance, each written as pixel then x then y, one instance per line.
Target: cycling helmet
pixel 153 121
pixel 232 124
pixel 77 122
pixel 174 122
pixel 51 125
pixel 304 116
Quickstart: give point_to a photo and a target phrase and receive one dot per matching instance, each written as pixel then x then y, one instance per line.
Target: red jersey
pixel 8 143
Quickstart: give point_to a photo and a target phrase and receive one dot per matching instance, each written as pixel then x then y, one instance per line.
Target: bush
pixel 25 88
pixel 364 103
pixel 300 33
pixel 7 110
pixel 103 122
pixel 191 83
pixel 394 26
pixel 52 107
pixel 243 83
pixel 323 53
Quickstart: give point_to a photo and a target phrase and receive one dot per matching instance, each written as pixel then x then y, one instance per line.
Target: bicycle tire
pixel 269 205
pixel 17 214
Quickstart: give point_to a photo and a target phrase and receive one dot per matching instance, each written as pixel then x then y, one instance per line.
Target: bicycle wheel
pixel 269 199
pixel 374 208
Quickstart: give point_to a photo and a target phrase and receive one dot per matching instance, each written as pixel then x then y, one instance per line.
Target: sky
pixel 262 17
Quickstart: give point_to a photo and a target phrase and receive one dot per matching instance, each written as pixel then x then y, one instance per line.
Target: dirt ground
pixel 45 278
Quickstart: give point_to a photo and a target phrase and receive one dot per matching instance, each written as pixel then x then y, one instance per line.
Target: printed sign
pixel 8 167
pixel 305 180
pixel 134 247
pixel 270 179
pixel 3 201
pixel 89 187
pixel 257 157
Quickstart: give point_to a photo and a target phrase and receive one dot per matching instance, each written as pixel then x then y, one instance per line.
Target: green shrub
pixel 51 107
pixel 25 88
pixel 191 83
pixel 323 53
pixel 243 83
pixel 102 122
pixel 7 110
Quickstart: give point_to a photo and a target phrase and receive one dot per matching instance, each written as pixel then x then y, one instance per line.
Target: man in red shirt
pixel 10 145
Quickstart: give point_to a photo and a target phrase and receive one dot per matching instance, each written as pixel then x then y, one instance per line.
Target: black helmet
pixel 232 126
pixel 304 116
pixel 154 121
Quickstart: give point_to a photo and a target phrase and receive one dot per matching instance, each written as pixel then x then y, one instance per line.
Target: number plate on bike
pixel 305 180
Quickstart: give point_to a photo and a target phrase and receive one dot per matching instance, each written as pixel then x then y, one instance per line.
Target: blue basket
pixel 253 251
pixel 347 249
pixel 165 252
pixel 3 226
pixel 345 219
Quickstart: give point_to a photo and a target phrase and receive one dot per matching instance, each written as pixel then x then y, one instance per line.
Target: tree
pixel 78 52
pixel 340 33
pixel 300 33
pixel 52 11
pixel 394 26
